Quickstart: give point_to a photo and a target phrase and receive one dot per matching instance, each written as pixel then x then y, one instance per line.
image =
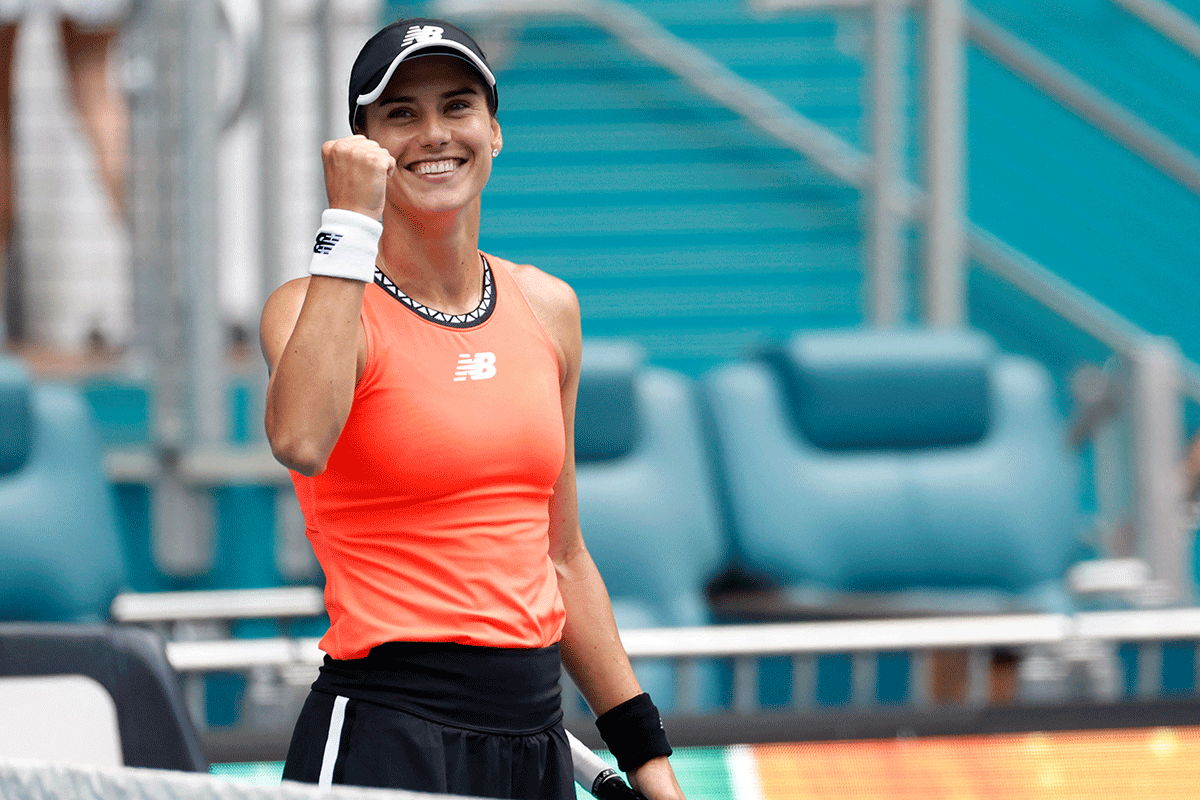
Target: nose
pixel 434 131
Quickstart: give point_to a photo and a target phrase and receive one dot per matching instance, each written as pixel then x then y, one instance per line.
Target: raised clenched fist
pixel 356 173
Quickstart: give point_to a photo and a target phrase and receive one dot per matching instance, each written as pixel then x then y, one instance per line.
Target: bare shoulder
pixel 283 306
pixel 545 292
pixel 556 306
pixel 279 316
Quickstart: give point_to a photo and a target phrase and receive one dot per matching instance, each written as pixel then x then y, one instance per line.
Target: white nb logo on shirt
pixel 422 33
pixel 477 367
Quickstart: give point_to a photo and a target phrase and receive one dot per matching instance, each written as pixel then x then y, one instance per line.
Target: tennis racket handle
pixel 593 774
pixel 611 786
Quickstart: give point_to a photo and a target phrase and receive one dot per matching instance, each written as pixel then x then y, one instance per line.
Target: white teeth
pixel 435 167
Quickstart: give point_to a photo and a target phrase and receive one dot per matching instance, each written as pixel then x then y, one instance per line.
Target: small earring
pixel 495 153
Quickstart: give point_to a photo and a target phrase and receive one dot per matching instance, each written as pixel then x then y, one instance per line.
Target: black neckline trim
pixel 487 303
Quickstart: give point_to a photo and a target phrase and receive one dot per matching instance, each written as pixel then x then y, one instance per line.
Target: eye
pixel 458 105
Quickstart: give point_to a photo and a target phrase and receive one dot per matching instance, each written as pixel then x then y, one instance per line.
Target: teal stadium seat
pixel 60 555
pixel 646 497
pixel 908 470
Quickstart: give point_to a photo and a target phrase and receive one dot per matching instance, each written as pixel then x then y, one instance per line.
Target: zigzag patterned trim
pixel 469 320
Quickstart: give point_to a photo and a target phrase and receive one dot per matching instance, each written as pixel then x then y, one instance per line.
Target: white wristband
pixel 347 244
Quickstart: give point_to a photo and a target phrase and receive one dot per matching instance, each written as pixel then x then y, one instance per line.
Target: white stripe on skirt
pixel 332 742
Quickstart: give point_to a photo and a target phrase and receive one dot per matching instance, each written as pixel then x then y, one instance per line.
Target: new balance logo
pixel 325 242
pixel 477 367
pixel 422 33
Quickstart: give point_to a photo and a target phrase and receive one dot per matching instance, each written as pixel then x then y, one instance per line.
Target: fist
pixel 356 174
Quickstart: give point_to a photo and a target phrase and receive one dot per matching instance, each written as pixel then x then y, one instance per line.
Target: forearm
pixel 595 658
pixel 591 647
pixel 312 386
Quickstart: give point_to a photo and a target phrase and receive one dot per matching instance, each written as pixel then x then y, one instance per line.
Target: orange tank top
pixel 431 519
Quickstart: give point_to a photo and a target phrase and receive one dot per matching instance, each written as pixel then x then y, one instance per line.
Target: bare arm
pixel 311 334
pixel 314 345
pixel 1191 470
pixel 591 646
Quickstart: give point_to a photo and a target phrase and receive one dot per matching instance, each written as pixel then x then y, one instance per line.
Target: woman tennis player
pixel 423 395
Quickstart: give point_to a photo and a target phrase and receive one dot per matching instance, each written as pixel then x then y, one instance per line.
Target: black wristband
pixel 633 732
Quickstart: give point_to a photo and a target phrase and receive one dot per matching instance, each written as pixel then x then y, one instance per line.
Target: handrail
pixel 1109 116
pixel 800 638
pixel 213 465
pixel 1169 21
pixel 1054 293
pixel 1070 303
pixel 281 602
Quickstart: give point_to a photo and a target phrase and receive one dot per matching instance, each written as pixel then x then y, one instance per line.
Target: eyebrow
pixel 445 96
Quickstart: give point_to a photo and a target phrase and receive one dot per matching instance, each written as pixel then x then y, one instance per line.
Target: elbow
pixel 307 468
pixel 302 442
pixel 299 454
pixel 299 460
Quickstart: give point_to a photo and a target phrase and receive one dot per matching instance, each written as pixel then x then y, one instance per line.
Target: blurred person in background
pixel 89 28
pixel 423 395
pixel 1191 479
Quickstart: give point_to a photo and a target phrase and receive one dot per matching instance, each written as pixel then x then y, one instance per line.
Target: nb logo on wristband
pixel 325 242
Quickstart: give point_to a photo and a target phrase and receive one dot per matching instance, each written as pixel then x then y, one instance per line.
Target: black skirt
pixel 437 717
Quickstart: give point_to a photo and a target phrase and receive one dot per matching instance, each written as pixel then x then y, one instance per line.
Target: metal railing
pixel 1070 91
pixel 1063 657
pixel 1169 21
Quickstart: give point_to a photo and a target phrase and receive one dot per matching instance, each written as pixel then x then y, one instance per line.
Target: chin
pixel 438 208
pixel 441 202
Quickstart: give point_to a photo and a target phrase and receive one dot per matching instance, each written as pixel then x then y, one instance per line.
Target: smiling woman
pixel 433 118
pixel 423 395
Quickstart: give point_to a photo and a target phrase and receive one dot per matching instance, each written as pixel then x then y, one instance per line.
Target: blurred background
pixel 889 389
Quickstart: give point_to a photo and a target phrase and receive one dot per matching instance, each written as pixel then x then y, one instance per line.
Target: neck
pixel 434 258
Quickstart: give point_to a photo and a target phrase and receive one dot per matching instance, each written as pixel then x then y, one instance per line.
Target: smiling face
pixel 433 118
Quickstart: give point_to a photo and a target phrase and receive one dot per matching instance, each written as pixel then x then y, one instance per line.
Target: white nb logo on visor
pixel 422 33
pixel 477 367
